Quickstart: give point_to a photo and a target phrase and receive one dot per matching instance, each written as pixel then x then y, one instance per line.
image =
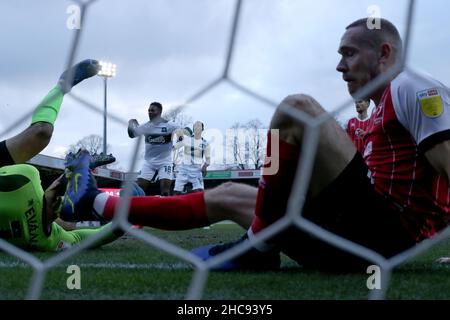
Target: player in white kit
pixel 158 148
pixel 195 160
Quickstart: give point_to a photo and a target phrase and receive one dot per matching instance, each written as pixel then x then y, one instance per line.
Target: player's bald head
pixel 374 38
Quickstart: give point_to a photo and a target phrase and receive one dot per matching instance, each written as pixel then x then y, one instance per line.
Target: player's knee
pixel 42 130
pixel 222 190
pixel 221 197
pixel 230 190
pixel 290 128
pixel 304 103
pixel 227 186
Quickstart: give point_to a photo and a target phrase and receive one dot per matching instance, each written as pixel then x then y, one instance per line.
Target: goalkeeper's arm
pixel 61 239
pixel 110 236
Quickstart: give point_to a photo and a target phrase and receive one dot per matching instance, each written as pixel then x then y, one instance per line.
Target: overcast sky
pixel 166 50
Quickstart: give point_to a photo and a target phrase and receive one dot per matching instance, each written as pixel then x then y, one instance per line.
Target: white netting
pixel 296 201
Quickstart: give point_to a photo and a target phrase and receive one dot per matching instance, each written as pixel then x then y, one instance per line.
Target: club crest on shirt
pixel 430 102
pixel 359 133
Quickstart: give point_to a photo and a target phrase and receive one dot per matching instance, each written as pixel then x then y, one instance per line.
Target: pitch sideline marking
pixel 109 265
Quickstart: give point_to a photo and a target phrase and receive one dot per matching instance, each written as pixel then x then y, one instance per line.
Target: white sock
pixel 100 203
pixel 261 245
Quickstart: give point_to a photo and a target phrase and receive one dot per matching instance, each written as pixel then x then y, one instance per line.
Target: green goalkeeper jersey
pixel 21 214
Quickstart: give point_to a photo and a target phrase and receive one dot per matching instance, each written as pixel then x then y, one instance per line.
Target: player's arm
pixel 60 239
pixel 133 126
pixel 178 136
pixel 178 145
pixel 111 235
pixel 439 158
pixel 178 133
pixel 207 155
pixel 207 159
pixel 422 106
pixel 350 134
pixel 66 225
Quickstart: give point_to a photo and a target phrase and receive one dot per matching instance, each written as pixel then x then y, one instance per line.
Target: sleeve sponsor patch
pixel 430 102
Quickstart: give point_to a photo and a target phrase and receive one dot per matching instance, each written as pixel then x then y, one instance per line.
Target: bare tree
pixel 248 144
pixel 178 116
pixel 236 145
pixel 93 143
pixel 257 142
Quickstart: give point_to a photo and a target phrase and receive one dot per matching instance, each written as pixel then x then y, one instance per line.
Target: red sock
pixel 168 213
pixel 274 190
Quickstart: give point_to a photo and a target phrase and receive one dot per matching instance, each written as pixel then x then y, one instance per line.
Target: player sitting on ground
pixel 401 184
pixel 26 211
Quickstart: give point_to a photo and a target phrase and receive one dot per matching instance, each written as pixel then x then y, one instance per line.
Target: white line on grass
pixel 109 265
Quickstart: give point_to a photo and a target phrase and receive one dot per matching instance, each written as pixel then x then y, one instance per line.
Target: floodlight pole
pixel 105 81
pixel 107 70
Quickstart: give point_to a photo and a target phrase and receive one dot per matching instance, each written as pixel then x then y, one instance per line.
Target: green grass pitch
pixel 130 269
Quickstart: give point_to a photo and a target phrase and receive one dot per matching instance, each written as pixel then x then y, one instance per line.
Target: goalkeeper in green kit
pixel 27 213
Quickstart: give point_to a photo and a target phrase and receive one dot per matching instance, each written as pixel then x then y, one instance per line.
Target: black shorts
pixel 348 207
pixel 5 156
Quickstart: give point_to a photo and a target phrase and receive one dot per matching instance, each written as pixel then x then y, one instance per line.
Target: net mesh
pixel 296 200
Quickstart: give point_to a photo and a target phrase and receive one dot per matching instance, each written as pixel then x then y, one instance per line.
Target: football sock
pixel 274 190
pixel 48 109
pixel 169 213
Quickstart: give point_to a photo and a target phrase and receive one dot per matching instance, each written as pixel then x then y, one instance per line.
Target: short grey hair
pixel 373 38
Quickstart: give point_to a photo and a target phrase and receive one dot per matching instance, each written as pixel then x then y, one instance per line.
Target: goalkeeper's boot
pixel 69 158
pixel 101 159
pixel 251 260
pixel 74 75
pixel 78 200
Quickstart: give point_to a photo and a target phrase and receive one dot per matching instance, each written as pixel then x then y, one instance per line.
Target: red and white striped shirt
pixel 412 117
pixel 356 130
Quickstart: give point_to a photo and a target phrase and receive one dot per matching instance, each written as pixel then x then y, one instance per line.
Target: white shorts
pixel 184 177
pixel 153 172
